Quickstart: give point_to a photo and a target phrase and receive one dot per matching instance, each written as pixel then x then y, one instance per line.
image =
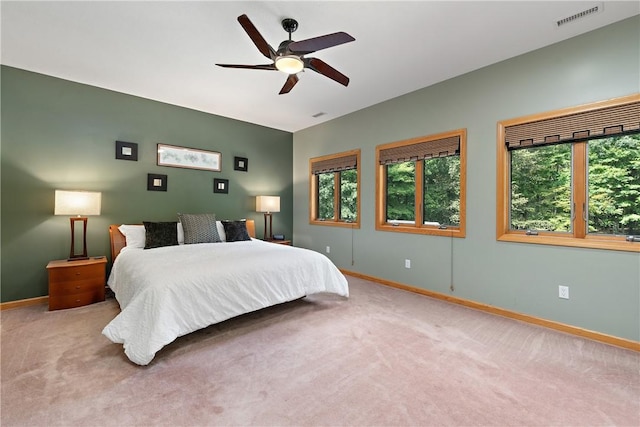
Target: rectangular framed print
pixel 191 158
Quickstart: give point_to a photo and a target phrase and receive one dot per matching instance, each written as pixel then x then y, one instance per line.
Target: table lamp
pixel 81 204
pixel 268 204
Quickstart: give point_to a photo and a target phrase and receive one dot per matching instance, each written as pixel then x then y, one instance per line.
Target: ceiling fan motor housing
pixel 282 49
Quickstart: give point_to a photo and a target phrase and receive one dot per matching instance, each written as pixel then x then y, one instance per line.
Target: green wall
pixel 604 285
pixel 58 134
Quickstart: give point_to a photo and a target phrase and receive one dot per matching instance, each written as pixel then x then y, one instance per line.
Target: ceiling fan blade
pixel 319 66
pixel 304 47
pixel 256 37
pixel 250 67
pixel 289 84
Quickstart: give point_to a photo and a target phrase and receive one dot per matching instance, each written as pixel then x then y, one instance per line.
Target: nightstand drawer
pixel 75 300
pixel 76 286
pixel 81 272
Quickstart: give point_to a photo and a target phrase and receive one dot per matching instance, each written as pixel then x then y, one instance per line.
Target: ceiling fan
pixel 289 58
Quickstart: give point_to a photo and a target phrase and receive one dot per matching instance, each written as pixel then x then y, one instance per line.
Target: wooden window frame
pixel 578 237
pixel 418 227
pixel 313 192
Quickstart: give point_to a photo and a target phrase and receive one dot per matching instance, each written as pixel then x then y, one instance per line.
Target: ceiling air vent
pixel 595 9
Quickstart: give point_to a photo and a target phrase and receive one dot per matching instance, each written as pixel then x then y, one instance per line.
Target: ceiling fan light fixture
pixel 289 64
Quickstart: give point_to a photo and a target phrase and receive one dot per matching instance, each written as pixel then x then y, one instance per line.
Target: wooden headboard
pixel 118 241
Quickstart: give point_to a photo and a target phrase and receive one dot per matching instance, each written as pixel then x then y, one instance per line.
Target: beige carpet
pixel 384 357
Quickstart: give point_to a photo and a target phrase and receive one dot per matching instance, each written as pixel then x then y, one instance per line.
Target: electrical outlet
pixel 563 292
pixel 328 249
pixel 407 263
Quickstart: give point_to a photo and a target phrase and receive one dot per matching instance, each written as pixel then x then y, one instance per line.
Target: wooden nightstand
pixel 280 242
pixel 76 283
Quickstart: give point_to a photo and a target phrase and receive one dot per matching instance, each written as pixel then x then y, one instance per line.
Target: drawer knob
pixel 77 287
pixel 77 273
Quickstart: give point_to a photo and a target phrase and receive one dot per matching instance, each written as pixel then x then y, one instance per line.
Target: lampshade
pixel 79 203
pixel 289 64
pixel 267 203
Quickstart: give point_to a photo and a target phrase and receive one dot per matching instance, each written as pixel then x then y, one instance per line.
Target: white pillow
pixel 180 234
pixel 135 235
pixel 221 233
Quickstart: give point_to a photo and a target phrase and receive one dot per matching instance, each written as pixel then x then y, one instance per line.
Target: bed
pixel 169 291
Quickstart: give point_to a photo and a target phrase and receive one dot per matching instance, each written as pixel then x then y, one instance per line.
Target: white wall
pixel 604 285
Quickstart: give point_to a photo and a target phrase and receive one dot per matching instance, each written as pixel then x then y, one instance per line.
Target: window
pixel 334 189
pixel 572 177
pixel 421 184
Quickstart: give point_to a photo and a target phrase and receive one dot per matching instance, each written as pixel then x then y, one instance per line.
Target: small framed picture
pixel 240 164
pixel 156 182
pixel 220 185
pixel 126 151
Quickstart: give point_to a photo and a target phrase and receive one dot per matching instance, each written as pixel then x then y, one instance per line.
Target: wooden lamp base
pixel 73 256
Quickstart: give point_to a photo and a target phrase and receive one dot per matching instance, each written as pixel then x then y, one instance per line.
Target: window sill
pixel 335 223
pixel 432 231
pixel 588 242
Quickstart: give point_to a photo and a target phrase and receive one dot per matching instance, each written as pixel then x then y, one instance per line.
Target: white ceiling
pixel 166 51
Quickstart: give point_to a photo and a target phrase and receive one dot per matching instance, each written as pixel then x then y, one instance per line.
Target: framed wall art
pixel 220 185
pixel 241 164
pixel 191 158
pixel 156 182
pixel 126 151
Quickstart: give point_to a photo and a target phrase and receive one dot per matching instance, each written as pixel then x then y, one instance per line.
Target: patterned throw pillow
pixel 199 228
pixel 159 234
pixel 236 231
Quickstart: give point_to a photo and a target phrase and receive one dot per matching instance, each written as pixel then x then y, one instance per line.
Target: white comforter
pixel 168 292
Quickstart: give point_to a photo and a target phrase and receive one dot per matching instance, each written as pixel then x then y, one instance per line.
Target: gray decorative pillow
pixel 236 231
pixel 199 228
pixel 159 234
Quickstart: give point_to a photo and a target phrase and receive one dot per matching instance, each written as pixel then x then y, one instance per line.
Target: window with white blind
pixel 334 189
pixel 571 177
pixel 421 185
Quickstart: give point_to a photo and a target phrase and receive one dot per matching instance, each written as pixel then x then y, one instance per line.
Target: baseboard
pixel 24 302
pixel 573 330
